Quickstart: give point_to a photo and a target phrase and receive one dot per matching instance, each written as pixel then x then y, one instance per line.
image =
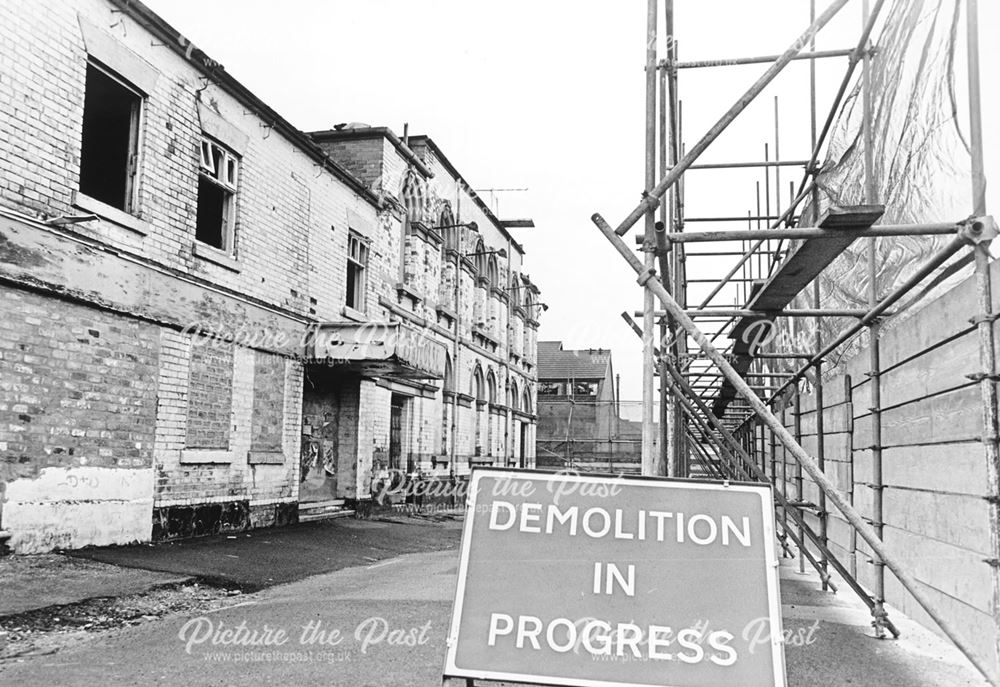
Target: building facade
pixel 210 316
pixel 581 423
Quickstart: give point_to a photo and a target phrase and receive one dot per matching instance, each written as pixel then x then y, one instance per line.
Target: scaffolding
pixel 729 389
pixel 583 434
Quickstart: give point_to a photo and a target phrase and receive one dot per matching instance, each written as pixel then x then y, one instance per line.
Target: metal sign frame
pixel 769 536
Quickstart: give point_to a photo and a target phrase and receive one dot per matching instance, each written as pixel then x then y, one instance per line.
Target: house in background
pixel 580 423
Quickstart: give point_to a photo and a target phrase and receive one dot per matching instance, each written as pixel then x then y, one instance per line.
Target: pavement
pixel 262 558
pixel 34 582
pixel 832 642
pixel 383 623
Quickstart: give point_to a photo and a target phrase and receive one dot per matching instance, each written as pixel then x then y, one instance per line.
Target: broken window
pixel 550 388
pixel 109 147
pixel 217 196
pixel 357 265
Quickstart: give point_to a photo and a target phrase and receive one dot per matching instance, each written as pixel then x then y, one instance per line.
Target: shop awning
pixel 378 350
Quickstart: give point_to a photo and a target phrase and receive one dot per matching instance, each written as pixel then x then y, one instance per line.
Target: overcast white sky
pixel 546 96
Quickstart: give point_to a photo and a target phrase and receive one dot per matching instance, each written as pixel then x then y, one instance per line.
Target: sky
pixel 546 96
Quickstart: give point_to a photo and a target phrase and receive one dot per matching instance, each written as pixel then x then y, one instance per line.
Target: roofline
pixel 573 378
pixel 472 194
pixel 374 132
pixel 157 26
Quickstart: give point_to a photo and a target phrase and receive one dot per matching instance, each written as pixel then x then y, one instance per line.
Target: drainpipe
pixel 508 453
pixel 455 370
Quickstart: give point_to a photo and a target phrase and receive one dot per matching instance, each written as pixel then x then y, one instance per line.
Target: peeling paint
pixel 78 506
pixel 19 255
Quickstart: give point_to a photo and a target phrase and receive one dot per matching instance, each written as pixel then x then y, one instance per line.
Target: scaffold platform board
pixel 802 264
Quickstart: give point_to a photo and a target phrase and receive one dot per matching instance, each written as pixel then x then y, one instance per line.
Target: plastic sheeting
pixel 920 167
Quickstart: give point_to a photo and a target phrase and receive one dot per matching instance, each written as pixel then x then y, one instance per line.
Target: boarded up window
pixel 268 401
pixel 210 395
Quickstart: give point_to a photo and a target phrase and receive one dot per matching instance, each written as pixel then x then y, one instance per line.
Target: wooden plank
pixel 863 466
pixel 800 267
pixel 978 626
pixel 936 321
pixel 955 468
pixel 862 432
pixel 953 570
pixel 942 368
pixel 812 256
pixel 835 419
pixel 948 417
pixel 838 532
pixel 862 498
pixel 841 474
pixel 837 448
pixel 960 520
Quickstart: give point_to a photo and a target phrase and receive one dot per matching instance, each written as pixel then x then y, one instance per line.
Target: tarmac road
pixel 407 599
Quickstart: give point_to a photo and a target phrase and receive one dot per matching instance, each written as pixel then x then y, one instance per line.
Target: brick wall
pixel 267 423
pixel 225 427
pixel 434 281
pixel 281 200
pixel 77 405
pixel 216 438
pixel 362 157
pixel 210 399
pixel 256 470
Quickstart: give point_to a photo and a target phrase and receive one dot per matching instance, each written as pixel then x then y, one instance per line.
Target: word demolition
pixel 596 523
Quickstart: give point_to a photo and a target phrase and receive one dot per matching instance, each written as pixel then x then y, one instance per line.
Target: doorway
pixel 522 450
pixel 397 420
pixel 328 467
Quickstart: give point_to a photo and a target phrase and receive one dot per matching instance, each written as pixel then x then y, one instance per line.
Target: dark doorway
pixel 523 448
pixel 397 414
pixel 330 407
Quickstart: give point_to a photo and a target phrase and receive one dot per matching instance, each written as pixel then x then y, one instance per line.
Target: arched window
pixel 526 401
pixel 492 430
pixel 478 388
pixel 447 386
pixel 449 378
pixel 529 303
pixel 414 195
pixel 513 396
pixel 493 272
pixel 450 232
pixel 491 385
pixel 480 258
pixel 479 391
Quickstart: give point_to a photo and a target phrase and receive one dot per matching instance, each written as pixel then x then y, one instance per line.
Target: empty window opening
pixel 109 147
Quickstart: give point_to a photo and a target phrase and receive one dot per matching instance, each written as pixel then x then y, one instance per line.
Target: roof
pixel 554 362
pixel 215 73
pixel 446 163
pixel 350 133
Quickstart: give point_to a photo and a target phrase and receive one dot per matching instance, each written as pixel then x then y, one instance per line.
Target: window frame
pixel 228 164
pixel 133 162
pixel 551 388
pixel 360 260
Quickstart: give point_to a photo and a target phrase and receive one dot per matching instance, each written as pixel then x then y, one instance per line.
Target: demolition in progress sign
pixel 570 579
